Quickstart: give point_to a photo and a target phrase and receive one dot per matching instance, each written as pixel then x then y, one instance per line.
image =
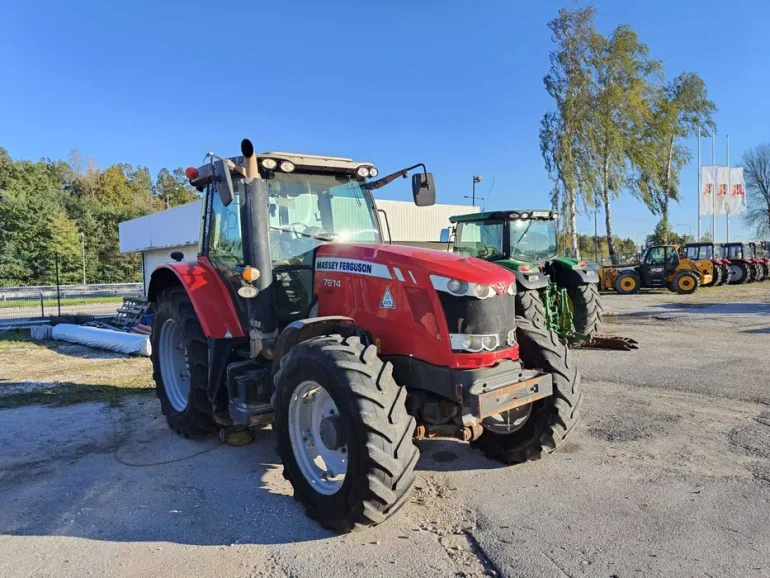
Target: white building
pixel 157 235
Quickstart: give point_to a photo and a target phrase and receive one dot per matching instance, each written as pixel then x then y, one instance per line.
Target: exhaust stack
pixel 255 220
pixel 249 159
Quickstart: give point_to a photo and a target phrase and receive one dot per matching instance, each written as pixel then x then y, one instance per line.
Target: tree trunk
pixel 608 222
pixel 573 225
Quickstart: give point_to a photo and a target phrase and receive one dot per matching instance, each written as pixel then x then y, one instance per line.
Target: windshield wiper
pixel 290 230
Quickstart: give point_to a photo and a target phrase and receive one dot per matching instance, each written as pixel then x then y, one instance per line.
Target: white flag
pixel 708 178
pixel 723 190
pixel 736 202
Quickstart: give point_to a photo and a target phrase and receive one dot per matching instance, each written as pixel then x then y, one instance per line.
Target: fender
pixel 304 329
pixel 524 282
pixel 565 273
pixel 212 302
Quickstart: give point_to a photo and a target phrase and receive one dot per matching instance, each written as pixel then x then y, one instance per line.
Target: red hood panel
pixel 418 260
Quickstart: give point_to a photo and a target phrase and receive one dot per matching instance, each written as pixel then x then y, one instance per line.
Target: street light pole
pixel 476 179
pixel 83 244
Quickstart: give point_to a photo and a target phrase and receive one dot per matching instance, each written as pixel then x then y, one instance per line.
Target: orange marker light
pixel 524 268
pixel 582 264
pixel 250 274
pixel 191 173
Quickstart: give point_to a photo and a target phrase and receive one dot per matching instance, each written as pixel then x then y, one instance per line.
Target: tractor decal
pixel 353 266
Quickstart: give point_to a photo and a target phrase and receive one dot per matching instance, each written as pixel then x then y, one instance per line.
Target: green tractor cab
pixel 560 292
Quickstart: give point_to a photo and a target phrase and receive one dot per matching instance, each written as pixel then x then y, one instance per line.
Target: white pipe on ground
pixel 117 341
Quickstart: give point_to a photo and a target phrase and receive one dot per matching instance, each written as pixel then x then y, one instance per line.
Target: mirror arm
pixel 379 183
pixel 228 163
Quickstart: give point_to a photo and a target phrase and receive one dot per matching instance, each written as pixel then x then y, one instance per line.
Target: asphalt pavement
pixel 667 475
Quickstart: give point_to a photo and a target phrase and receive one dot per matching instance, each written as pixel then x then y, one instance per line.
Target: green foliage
pixel 45 206
pixel 616 126
pixel 664 235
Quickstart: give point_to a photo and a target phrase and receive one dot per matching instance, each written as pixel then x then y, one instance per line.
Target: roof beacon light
pixel 191 173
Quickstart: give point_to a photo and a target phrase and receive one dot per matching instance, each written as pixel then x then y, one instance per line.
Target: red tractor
pixel 296 314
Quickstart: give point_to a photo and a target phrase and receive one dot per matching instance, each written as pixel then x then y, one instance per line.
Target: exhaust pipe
pixel 255 220
pixel 249 159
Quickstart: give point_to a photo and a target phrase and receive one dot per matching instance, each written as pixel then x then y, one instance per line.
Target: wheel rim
pixel 736 273
pixel 174 366
pixel 310 410
pixel 686 283
pixel 627 284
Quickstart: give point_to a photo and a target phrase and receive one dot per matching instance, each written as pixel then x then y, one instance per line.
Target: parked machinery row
pixel 685 268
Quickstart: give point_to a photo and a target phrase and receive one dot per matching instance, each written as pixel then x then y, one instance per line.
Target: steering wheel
pixel 487 250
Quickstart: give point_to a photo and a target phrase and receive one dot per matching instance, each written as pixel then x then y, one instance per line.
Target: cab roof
pixel 542 214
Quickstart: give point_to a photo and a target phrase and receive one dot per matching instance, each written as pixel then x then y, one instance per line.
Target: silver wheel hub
pixel 508 421
pixel 317 436
pixel 174 365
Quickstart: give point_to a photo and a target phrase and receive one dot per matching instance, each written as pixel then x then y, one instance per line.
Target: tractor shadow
pixel 119 474
pixel 715 309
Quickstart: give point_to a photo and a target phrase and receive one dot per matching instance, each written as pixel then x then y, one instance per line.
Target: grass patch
pixel 48 303
pixel 13 336
pixel 72 393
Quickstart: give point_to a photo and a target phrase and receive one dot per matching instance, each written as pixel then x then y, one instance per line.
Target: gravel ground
pixel 668 475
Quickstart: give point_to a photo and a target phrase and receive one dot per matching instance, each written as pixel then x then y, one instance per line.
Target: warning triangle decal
pixel 387 300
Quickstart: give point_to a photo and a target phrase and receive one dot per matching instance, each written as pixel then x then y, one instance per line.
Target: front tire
pixel 686 283
pixel 587 308
pixel 553 418
pixel 180 365
pixel 530 306
pixel 627 283
pixel 371 420
pixel 739 273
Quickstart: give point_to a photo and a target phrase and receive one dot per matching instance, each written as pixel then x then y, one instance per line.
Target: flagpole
pixel 699 184
pixel 716 186
pixel 729 191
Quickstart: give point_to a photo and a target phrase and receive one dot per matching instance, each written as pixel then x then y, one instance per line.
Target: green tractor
pixel 560 292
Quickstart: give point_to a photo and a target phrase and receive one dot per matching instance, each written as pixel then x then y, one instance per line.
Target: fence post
pixel 58 294
pixel 42 307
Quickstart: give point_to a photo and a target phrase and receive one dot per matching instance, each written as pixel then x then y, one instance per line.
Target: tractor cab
pixel 708 259
pixel 657 263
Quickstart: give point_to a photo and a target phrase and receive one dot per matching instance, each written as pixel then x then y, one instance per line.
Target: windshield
pixel 717 251
pixel 309 210
pixel 533 240
pixel 480 239
pixel 734 252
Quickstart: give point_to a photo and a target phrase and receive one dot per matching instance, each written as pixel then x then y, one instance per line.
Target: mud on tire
pixel 553 418
pixel 587 308
pixel 382 454
pixel 195 420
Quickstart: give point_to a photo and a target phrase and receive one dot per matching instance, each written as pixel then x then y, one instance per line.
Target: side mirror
pixel 224 183
pixel 177 256
pixel 444 236
pixel 423 189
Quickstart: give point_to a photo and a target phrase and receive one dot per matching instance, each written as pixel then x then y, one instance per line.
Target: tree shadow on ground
pixel 88 471
pixel 717 308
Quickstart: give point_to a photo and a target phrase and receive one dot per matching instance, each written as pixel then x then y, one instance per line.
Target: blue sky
pixel 456 85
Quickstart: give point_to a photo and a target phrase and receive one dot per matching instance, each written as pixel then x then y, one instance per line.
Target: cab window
pixel 655 256
pixel 225 245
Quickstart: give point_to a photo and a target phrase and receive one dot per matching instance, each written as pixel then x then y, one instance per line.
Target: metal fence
pixel 24 303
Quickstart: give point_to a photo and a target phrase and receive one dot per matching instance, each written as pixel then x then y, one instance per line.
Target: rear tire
pixel 686 283
pixel 627 283
pixel 553 418
pixel 381 455
pixel 587 308
pixel 190 413
pixel 530 306
pixel 716 276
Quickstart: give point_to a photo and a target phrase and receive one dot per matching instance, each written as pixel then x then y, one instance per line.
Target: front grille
pixel 492 316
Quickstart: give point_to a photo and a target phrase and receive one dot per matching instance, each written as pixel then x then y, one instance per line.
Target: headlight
pixel 510 339
pixel 512 288
pixel 362 172
pixel 461 288
pixel 483 291
pixel 287 167
pixel 473 343
pixel 269 164
pixel 524 216
pixel 373 172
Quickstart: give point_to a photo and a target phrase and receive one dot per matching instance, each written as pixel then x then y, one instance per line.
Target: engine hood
pixel 420 262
